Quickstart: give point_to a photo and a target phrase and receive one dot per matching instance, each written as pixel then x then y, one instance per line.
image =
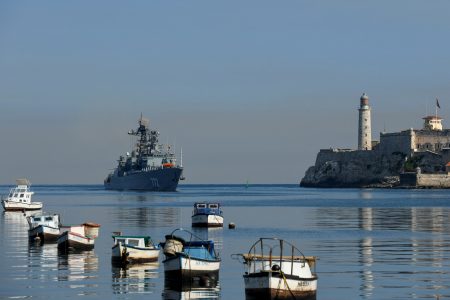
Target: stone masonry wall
pixel 433 180
pixel 396 142
pixel 425 180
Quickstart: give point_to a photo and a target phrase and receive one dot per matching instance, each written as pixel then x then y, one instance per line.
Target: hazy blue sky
pixel 250 89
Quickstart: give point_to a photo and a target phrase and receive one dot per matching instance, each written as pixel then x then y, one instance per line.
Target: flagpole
pixel 436 110
pixel 437 106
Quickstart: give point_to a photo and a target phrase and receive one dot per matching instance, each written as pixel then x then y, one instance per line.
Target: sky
pixel 251 90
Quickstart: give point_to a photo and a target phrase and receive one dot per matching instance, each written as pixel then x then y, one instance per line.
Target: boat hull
pixel 272 285
pixel 131 254
pixel 17 206
pixel 73 241
pixel 181 266
pixel 44 233
pixel 204 220
pixel 165 180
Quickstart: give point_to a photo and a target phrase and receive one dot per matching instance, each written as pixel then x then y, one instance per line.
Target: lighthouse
pixel 364 125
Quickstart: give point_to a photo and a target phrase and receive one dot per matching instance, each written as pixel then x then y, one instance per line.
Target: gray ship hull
pixel 164 180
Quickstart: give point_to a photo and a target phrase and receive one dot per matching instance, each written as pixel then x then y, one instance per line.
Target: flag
pixel 437 103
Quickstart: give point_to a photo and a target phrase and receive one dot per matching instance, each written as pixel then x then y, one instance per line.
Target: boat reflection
pixel 43 254
pixel 15 229
pixel 77 266
pixel 196 288
pixel 134 278
pixel 18 218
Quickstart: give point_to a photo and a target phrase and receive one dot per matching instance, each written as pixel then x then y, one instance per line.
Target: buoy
pixel 231 225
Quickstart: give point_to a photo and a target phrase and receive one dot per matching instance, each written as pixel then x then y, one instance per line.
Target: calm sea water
pixel 372 244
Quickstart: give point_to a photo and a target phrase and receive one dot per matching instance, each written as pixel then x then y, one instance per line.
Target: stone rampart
pixel 414 180
pixel 433 180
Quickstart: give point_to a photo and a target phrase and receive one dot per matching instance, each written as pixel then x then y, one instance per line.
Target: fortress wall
pixel 397 142
pixel 433 180
pixel 344 156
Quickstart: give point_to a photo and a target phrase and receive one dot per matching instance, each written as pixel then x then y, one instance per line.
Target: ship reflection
pixel 134 278
pixel 196 288
pixel 144 217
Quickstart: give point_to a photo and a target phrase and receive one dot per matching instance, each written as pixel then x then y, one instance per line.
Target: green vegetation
pixel 412 163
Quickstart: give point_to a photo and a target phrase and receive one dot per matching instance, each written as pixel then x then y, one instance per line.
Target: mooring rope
pixel 285 282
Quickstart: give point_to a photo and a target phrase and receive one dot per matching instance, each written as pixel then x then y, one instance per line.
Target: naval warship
pixel 149 167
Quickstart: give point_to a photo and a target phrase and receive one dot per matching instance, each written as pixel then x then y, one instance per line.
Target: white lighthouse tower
pixel 364 125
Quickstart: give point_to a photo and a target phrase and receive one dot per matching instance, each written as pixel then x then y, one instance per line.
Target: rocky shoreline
pixel 354 169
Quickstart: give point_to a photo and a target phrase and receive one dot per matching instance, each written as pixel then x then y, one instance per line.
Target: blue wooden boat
pixel 191 257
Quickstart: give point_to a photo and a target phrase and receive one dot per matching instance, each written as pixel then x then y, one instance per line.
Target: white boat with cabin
pixel 19 198
pixel 276 269
pixel 207 215
pixel 78 237
pixel 44 228
pixel 134 249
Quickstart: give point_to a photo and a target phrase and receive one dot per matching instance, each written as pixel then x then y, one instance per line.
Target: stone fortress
pixel 409 158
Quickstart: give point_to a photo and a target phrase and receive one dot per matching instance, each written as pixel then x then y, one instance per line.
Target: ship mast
pixel 148 139
pixel 181 157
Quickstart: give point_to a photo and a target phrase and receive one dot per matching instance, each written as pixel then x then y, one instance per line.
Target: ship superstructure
pixel 150 166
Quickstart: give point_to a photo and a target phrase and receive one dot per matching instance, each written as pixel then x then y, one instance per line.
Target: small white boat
pixel 44 227
pixel 276 269
pixel 187 259
pixel 134 249
pixel 19 198
pixel 78 237
pixel 207 215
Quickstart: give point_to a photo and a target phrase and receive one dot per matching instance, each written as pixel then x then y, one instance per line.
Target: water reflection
pixel 80 269
pixel 366 261
pixel 196 288
pixel 15 229
pixel 365 218
pixel 43 254
pixel 379 218
pixel 366 194
pixel 144 217
pixel 18 219
pixel 134 278
pixel 400 250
